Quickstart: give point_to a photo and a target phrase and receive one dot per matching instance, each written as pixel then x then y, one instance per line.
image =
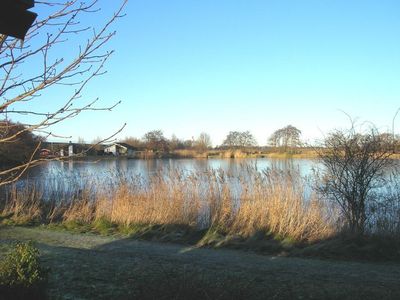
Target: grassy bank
pixel 87 266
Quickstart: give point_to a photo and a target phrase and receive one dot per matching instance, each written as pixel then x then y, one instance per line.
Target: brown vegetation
pixel 271 202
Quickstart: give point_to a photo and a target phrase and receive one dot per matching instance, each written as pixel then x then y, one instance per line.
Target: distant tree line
pixel 286 139
pixel 156 141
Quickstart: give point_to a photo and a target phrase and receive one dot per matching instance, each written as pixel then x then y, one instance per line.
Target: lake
pixel 188 179
pixel 148 167
pixel 70 176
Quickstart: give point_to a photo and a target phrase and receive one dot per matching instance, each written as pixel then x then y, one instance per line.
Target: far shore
pixel 214 154
pixel 209 154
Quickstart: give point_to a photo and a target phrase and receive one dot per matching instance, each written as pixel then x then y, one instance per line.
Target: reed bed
pixel 275 202
pixel 271 202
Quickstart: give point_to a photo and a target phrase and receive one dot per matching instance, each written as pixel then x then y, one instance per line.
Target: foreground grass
pixel 87 266
pixel 339 247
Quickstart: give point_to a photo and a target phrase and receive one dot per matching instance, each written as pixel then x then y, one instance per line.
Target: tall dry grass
pixel 275 202
pixel 270 201
pixel 22 205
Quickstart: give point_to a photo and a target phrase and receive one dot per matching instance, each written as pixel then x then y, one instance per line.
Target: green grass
pixel 104 226
pixel 22 220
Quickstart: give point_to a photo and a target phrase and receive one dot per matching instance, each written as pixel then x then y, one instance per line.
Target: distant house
pixel 118 149
pixel 44 152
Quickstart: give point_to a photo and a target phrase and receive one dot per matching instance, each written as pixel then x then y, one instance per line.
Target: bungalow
pixel 118 149
pixel 44 152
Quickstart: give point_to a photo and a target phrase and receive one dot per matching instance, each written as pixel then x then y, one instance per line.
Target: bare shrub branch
pixel 354 165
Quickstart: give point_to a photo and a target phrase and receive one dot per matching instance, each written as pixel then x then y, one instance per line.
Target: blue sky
pixel 188 67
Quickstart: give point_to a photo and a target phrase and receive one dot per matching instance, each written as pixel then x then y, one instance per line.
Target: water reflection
pixel 71 176
pixel 102 171
pixel 146 168
pixel 67 180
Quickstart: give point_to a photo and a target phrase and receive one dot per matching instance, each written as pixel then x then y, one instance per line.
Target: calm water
pixel 71 176
pixel 70 179
pixel 87 170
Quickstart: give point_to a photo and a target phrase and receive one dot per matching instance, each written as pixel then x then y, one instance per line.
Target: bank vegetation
pixel 355 194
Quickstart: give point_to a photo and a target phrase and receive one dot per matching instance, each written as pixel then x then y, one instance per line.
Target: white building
pixel 118 149
pixel 70 149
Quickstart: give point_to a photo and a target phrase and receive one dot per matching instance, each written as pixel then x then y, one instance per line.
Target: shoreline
pixel 221 155
pixel 273 155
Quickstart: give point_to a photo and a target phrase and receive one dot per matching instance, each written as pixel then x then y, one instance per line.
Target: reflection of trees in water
pixel 78 174
pixel 284 165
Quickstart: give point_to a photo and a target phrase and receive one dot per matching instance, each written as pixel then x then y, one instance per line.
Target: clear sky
pixel 193 66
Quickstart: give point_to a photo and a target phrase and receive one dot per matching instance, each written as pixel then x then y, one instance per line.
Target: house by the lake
pixel 118 149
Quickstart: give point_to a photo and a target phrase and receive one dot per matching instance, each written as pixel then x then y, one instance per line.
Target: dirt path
pixel 85 266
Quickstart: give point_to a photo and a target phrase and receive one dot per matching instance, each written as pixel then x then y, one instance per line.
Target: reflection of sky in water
pixel 66 180
pixel 71 177
pixel 104 169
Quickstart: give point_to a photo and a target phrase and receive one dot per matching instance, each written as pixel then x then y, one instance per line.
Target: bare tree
pixel 174 142
pixel 81 140
pixel 32 68
pixel 354 165
pixel 155 140
pixel 203 142
pixel 133 141
pixel 237 139
pixel 273 139
pixel 287 137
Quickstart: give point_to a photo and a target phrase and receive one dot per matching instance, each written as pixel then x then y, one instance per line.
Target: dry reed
pixel 22 206
pixel 271 201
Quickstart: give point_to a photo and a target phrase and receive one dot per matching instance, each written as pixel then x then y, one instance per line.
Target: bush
pixel 355 166
pixel 21 274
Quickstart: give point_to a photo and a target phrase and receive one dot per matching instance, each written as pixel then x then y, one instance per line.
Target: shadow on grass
pixel 126 268
pixel 342 246
pixel 348 247
pixel 116 271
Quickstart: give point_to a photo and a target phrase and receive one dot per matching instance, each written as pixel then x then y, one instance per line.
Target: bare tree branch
pixel 61 24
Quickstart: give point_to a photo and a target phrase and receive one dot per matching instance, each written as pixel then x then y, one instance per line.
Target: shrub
pixel 21 274
pixel 355 165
